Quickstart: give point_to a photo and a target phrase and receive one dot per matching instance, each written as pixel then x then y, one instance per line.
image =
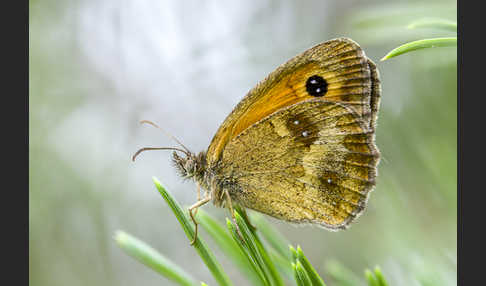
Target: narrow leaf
pixel 293 253
pixel 242 245
pixel 421 44
pixel 229 247
pixel 311 272
pixel 301 276
pixel 258 249
pixel 152 258
pixel 379 277
pixel 442 24
pixel 371 278
pixel 251 244
pixel 201 248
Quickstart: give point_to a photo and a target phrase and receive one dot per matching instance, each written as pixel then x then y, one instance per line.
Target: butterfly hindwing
pixel 314 161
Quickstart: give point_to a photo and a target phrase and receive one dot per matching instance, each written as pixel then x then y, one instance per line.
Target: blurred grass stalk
pixel 421 44
pixel 241 244
pixel 426 43
pixel 153 259
pixel 434 23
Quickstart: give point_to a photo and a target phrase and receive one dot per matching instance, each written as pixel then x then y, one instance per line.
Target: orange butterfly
pixel 300 146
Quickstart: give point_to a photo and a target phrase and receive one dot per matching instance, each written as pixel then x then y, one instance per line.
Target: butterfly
pixel 300 146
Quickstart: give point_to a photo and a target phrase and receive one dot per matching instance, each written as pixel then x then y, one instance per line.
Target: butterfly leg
pixel 230 206
pixel 196 206
pixel 198 197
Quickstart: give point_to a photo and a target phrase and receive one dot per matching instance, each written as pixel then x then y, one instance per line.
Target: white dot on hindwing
pixel 329 181
pixel 296 122
pixel 305 133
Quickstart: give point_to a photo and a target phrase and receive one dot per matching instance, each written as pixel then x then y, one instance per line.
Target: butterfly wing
pixel 349 76
pixel 314 161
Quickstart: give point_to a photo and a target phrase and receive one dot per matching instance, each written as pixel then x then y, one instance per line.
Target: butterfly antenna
pixel 167 134
pixel 157 148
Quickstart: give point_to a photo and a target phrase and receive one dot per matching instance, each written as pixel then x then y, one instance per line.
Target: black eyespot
pixel 316 86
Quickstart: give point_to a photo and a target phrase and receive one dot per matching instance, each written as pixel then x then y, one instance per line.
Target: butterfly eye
pixel 316 86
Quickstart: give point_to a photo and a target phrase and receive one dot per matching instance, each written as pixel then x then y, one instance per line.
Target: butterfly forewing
pixel 314 161
pixel 336 70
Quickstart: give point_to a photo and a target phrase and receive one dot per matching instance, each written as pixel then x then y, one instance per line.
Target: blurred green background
pixel 99 67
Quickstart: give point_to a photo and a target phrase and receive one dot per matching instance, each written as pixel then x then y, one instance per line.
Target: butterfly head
pixel 190 165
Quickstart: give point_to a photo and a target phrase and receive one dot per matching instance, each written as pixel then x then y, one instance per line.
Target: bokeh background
pixel 99 67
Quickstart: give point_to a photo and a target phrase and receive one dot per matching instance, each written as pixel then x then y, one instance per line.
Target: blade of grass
pixel 270 267
pixel 293 254
pixel 258 249
pixel 301 276
pixel 434 23
pixel 371 278
pixel 228 246
pixel 379 277
pixel 311 272
pixel 251 259
pixel 421 44
pixel 251 245
pixel 152 258
pixel 201 248
pixel 277 278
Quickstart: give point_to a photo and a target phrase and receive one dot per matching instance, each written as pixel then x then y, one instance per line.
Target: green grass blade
pixel 272 236
pixel 251 245
pixel 300 274
pixel 201 248
pixel 421 44
pixel 258 250
pixel 229 247
pixel 153 259
pixel 371 278
pixel 270 265
pixel 293 254
pixel 242 245
pixel 272 269
pixel 379 277
pixel 311 271
pixel 244 215
pixel 442 24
